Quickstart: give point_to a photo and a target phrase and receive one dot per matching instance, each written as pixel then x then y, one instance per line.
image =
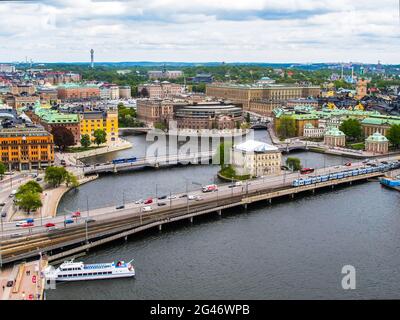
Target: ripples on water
pixel 292 249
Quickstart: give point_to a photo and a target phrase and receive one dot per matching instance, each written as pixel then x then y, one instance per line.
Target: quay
pixel 112 224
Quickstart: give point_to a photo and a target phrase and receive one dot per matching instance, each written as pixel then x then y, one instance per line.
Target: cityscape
pixel 144 161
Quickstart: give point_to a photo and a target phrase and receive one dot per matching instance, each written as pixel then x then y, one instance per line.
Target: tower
pixel 92 58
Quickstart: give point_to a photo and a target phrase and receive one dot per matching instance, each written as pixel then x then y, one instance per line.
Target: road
pixel 132 208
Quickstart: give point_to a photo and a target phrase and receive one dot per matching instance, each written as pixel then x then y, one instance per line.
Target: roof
pixel 334 132
pixel 377 137
pixel 255 146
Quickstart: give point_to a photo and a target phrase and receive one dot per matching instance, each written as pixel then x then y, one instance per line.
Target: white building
pixel 310 131
pixel 8 68
pixel 256 158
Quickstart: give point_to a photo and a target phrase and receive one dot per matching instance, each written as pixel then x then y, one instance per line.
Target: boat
pixel 390 182
pixel 78 271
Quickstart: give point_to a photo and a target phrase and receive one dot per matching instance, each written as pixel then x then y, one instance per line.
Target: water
pixel 291 250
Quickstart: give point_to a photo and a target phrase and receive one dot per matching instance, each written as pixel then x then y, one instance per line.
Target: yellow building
pixel 26 148
pixel 103 120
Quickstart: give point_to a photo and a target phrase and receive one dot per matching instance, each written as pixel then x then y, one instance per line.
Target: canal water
pixel 288 250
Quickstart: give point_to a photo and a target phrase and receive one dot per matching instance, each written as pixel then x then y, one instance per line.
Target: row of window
pixel 84 274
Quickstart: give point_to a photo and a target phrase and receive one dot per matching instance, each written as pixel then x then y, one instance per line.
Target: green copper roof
pixel 377 137
pixel 334 132
pixel 53 116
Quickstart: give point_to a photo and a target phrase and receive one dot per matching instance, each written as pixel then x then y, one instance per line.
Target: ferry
pixel 389 182
pixel 77 271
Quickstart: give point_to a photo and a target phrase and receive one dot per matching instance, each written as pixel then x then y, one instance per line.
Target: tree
pixel 100 136
pixel 393 135
pixel 30 186
pixel 85 141
pixel 160 125
pixel 224 153
pixel 55 175
pixel 72 180
pixel 28 200
pixel 248 117
pixel 352 129
pixel 293 163
pixel 63 137
pixel 286 127
pixel 2 170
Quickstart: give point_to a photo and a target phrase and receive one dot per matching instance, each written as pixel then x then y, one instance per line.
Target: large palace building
pixel 261 98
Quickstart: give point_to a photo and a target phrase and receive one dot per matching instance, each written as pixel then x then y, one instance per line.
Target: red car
pixel 49 225
pixel 76 214
pixel 348 164
pixel 306 170
pixel 148 201
pixel 27 224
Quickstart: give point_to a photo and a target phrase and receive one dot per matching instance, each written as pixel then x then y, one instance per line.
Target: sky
pixel 301 31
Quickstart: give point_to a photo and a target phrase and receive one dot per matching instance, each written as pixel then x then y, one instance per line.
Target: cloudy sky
pixel 201 30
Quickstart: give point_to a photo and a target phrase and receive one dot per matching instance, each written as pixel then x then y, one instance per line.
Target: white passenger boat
pixel 76 271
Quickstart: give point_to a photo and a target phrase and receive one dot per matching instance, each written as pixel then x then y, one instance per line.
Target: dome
pixel 377 137
pixel 334 132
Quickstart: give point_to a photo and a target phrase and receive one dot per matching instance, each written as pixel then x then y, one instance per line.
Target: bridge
pixel 133 130
pixel 155 162
pixel 111 224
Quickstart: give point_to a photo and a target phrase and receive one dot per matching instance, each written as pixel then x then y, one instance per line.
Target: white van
pixel 147 209
pixel 13 193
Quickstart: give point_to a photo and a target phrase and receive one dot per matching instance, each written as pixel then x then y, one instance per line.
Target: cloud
pixel 201 30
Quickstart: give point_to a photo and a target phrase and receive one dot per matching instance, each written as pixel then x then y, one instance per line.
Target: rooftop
pixel 377 137
pixel 255 146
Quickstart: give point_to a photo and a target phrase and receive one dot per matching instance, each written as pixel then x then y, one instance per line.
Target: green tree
pixel 293 163
pixel 85 141
pixel 2 170
pixel 248 117
pixel 160 126
pixel 352 129
pixel 393 135
pixel 224 153
pixel 30 186
pixel 71 180
pixel 55 175
pixel 286 127
pixel 28 200
pixel 100 136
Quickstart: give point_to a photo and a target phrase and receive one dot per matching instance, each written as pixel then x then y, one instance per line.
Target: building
pixel 107 120
pixel 47 93
pixel 302 102
pixel 208 115
pixel 23 89
pixel 109 91
pixel 152 111
pixel 74 91
pixel 164 74
pixel 377 143
pixel 26 147
pixel 260 98
pixel 266 80
pixel 125 92
pixel 51 119
pixel 310 131
pixel 256 159
pixel 7 68
pixel 202 78
pixel 361 88
pixel 334 138
pixel 378 123
pixel 160 90
pixel 22 100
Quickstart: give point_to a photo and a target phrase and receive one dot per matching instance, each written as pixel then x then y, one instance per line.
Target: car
pixel 384 162
pixel 139 201
pixel 27 225
pixel 347 164
pixel 192 197
pixel 210 188
pixel 90 220
pixel 39 179
pixel 171 197
pixel 198 198
pixel 120 207
pixel 63 163
pixel 162 198
pixel 148 201
pixel 68 221
pixel 49 225
pixel 4 214
pixel 76 214
pixel 183 196
pixel 10 283
pixel 161 204
pixel 2 204
pixel 147 209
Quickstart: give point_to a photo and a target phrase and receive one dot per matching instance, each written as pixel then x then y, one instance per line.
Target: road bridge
pixel 119 224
